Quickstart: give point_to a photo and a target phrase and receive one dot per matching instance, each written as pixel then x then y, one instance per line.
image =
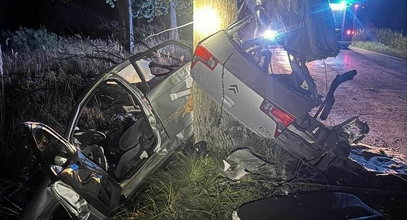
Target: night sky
pixel 385 14
pixel 86 15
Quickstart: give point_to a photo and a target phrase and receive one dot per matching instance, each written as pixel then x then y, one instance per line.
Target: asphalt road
pixel 378 94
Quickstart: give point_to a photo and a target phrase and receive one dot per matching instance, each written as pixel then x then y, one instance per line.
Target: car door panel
pixel 170 101
pixel 68 164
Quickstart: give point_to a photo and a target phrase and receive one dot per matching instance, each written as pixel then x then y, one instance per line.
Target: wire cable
pixel 169 29
pixel 223 86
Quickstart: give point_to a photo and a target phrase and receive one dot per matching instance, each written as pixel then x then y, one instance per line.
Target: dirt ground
pixel 378 94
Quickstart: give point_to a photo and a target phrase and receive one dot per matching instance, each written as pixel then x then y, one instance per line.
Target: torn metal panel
pixel 314 143
pixel 244 161
pixel 379 160
pixel 352 130
pixel 71 200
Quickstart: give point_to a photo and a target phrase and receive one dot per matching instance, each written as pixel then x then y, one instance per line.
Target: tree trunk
pixel 226 10
pixel 173 21
pixel 210 123
pixel 2 98
pixel 126 33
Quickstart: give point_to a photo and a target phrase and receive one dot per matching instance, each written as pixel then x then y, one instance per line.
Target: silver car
pixel 233 67
pixel 127 123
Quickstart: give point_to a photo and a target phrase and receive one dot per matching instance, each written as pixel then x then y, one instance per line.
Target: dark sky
pixel 385 14
pixel 86 14
pixel 55 15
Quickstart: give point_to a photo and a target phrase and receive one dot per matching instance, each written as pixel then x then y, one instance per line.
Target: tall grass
pixel 382 41
pixel 189 188
pixel 44 75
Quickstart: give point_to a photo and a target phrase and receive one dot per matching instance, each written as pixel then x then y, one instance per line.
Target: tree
pixel 2 104
pixel 173 21
pixel 149 9
pixel 209 120
pixel 126 29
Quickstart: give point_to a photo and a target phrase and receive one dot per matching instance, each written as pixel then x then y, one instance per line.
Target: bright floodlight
pixel 338 6
pixel 270 34
pixel 206 20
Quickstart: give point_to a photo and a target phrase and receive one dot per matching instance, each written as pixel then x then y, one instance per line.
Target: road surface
pixel 378 94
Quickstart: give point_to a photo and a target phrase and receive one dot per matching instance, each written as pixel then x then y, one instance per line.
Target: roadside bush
pixel 383 41
pixel 44 74
pixel 26 39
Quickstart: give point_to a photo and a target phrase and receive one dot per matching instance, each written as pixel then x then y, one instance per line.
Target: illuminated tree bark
pixel 210 123
pixel 226 10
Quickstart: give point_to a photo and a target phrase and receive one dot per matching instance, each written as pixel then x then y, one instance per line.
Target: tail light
pixel 283 118
pixel 204 56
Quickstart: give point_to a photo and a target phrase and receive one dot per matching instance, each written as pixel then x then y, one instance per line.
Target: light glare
pixel 206 20
pixel 270 34
pixel 338 6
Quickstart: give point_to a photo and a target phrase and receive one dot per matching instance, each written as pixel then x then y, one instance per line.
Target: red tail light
pixel 283 118
pixel 204 56
pixel 350 32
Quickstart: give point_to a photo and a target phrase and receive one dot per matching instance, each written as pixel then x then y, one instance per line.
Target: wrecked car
pixel 233 66
pixel 127 123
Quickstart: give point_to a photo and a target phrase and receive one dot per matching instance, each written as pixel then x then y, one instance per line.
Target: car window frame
pixel 110 76
pixel 148 52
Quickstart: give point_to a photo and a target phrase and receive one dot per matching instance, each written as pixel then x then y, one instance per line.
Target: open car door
pixel 66 163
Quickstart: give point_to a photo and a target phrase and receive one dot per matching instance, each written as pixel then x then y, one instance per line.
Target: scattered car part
pixel 329 101
pixel 243 161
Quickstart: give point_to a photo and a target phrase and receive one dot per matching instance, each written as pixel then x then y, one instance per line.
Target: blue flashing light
pixel 338 6
pixel 270 35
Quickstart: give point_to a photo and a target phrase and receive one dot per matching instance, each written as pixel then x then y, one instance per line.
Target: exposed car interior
pixel 260 49
pixel 113 131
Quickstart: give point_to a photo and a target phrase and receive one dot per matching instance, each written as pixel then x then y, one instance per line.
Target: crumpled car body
pixel 274 106
pixel 125 125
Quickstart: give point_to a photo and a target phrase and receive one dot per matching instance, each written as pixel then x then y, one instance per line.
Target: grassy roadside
pixel 190 187
pixel 383 41
pixel 193 187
